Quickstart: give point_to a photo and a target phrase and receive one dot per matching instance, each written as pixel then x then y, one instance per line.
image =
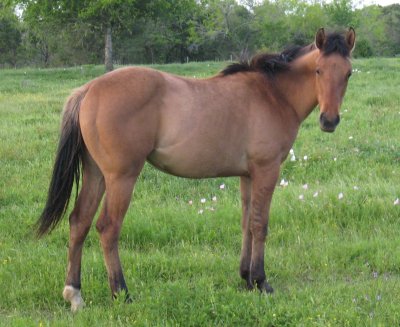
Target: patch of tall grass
pixel 333 248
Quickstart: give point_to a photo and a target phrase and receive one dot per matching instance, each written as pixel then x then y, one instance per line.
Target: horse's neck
pixel 298 85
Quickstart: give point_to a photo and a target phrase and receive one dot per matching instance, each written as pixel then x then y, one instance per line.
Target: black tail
pixel 66 167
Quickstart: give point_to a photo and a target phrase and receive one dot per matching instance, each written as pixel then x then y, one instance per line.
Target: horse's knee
pixel 105 225
pixel 259 230
pixel 73 218
pixel 101 225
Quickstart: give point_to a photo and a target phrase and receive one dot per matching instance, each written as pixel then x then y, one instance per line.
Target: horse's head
pixel 333 70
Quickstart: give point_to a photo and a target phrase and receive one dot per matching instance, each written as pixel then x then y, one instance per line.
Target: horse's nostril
pixel 337 120
pixel 327 122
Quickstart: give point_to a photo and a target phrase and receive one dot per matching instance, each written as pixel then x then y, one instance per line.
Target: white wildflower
pixel 301 197
pixel 292 156
pixel 214 198
pixel 222 187
pixel 340 196
pixel 284 183
pixel 396 202
pixel 203 200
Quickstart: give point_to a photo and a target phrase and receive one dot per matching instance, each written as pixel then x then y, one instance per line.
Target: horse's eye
pixel 318 72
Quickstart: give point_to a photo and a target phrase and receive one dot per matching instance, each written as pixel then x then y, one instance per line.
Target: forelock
pixel 336 43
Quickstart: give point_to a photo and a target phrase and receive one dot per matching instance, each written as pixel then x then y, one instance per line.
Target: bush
pixel 363 49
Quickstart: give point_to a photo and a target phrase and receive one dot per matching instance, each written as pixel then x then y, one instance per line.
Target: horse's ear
pixel 351 38
pixel 320 38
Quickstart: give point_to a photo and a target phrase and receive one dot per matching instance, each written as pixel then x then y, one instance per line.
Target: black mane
pixel 271 64
pixel 267 63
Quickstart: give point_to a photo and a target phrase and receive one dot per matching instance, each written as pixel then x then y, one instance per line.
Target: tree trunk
pixel 108 60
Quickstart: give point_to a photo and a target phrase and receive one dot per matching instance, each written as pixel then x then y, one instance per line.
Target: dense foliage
pixel 65 32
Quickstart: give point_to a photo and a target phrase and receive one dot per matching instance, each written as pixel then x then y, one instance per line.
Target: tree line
pixel 74 32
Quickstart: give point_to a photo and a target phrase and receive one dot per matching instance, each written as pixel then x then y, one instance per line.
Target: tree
pixel 71 32
pixel 106 16
pixel 101 16
pixel 171 25
pixel 304 20
pixel 371 29
pixel 340 13
pixel 10 35
pixel 272 24
pixel 228 28
pixel 391 16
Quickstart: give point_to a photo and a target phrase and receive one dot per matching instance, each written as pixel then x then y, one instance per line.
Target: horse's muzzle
pixel 328 125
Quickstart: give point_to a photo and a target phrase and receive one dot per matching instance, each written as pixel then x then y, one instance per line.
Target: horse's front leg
pixel 264 179
pixel 245 258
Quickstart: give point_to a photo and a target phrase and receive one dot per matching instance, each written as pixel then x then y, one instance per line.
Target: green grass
pixel 332 262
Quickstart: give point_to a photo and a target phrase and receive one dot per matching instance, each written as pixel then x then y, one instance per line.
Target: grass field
pixel 333 251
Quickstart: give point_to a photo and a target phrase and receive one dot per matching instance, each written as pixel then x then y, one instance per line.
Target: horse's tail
pixel 67 165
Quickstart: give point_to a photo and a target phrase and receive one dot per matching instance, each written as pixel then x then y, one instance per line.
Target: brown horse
pixel 241 122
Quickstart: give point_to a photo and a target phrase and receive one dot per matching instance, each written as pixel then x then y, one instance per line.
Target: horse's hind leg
pixel 119 188
pixel 80 221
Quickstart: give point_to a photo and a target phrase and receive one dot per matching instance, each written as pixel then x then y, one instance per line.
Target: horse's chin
pixel 328 129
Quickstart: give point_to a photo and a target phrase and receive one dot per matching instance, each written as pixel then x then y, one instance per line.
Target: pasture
pixel 333 250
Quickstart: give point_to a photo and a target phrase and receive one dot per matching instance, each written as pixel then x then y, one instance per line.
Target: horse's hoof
pixel 73 295
pixel 249 285
pixel 128 299
pixel 264 287
pixel 122 297
pixel 268 288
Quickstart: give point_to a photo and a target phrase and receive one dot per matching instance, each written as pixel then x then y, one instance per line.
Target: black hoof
pixel 264 287
pixel 122 296
pixel 249 285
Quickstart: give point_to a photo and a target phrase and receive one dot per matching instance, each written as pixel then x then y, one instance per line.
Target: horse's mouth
pixel 326 129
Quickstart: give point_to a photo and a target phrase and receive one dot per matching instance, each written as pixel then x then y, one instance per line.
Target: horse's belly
pixel 193 163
